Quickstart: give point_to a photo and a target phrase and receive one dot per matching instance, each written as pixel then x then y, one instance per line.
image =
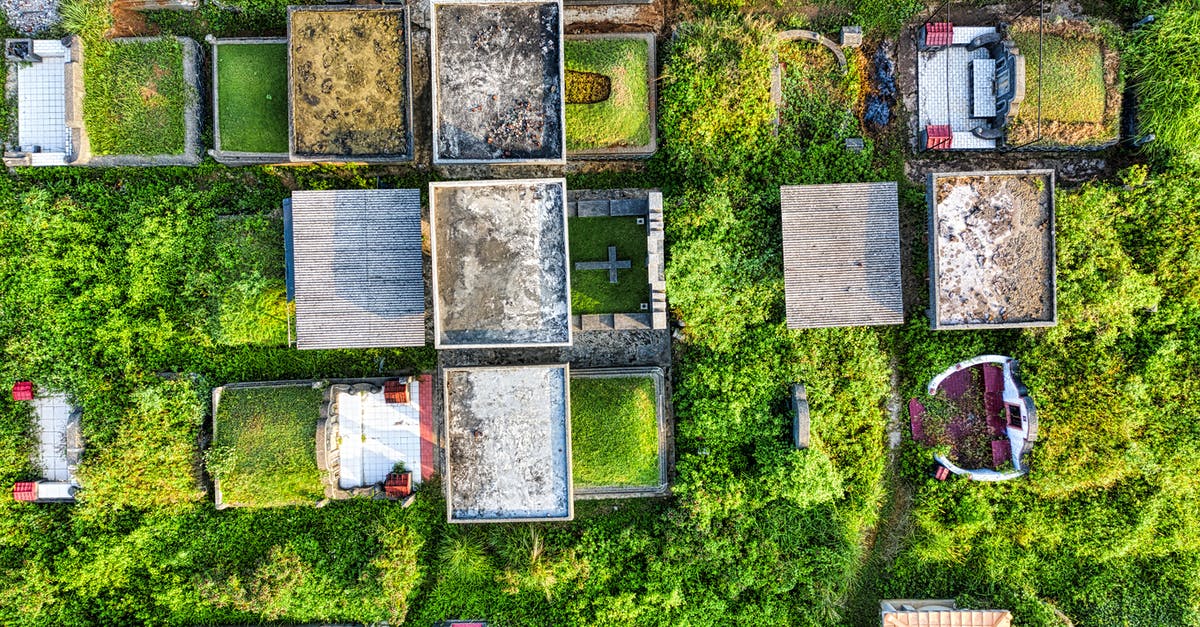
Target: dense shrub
pixel 1111 503
pixel 154 460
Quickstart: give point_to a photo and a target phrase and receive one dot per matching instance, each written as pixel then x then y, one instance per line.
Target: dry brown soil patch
pixel 995 255
pixel 349 85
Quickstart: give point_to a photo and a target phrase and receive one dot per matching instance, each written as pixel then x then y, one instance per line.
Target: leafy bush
pixel 154 460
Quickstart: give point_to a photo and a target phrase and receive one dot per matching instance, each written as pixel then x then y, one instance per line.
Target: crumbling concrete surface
pixel 499 81
pixel 508 436
pixel 994 239
pixel 500 271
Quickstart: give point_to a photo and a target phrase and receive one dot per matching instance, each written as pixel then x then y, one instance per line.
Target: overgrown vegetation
pixel 264 446
pixel 251 298
pixel 135 96
pixel 1109 504
pixel 1166 62
pixel 154 460
pixel 110 276
pixel 252 88
pixel 623 118
pixel 591 291
pixel 614 432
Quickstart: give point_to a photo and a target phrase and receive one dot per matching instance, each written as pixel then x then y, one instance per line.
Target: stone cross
pixel 612 265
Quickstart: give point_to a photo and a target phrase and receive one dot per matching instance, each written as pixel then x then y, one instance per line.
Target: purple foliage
pixel 879 104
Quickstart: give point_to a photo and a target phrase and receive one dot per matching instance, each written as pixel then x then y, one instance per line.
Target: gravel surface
pixel 31 16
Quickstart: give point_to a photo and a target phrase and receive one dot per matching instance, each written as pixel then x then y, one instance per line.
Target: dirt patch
pixel 128 21
pixel 994 249
pixel 349 82
pixel 507 436
pixel 500 263
pixel 499 81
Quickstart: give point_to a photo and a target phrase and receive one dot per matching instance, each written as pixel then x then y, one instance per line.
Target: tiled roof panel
pixel 358 268
pixel 841 255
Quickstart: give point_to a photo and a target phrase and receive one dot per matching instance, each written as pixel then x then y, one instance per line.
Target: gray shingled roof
pixel 358 268
pixel 841 255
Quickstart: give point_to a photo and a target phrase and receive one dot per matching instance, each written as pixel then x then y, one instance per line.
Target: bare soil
pixel 349 83
pixel 499 82
pixel 994 249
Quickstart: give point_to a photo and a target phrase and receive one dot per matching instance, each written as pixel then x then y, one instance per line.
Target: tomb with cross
pixel 612 265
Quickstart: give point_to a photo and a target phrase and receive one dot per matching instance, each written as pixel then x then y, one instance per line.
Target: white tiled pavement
pixel 944 79
pixel 41 99
pixel 53 412
pixel 376 435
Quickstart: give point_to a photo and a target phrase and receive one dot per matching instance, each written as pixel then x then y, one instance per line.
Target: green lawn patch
pixel 134 97
pixel 1071 78
pixel 252 88
pixel 614 432
pixel 623 119
pixel 591 293
pixel 251 294
pixel 264 453
pixel 1079 81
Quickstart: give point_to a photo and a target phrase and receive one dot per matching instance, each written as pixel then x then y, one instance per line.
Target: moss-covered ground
pixel 614 432
pixel 252 87
pixel 264 451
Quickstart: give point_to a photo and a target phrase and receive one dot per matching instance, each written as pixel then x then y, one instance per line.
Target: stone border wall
pixel 192 147
pixel 627 202
pixel 666 440
pixel 623 152
pixel 229 157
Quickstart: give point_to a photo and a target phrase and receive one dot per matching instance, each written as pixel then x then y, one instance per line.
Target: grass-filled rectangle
pixel 1070 76
pixel 591 291
pixel 134 97
pixel 252 91
pixel 614 432
pixel 265 451
pixel 1077 78
pixel 608 93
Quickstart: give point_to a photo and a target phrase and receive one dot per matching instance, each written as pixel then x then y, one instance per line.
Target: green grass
pixel 614 432
pixel 264 454
pixel 1072 78
pixel 591 293
pixel 1166 67
pixel 252 305
pixel 135 97
pixel 623 119
pixel 252 87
